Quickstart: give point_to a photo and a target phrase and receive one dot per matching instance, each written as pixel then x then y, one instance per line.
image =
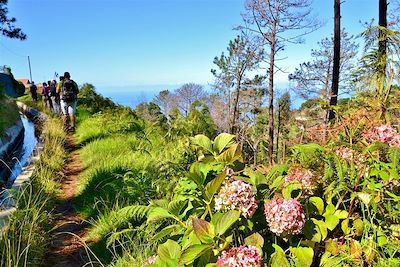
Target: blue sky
pixel 134 43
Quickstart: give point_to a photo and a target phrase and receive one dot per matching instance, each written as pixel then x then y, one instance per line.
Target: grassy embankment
pixel 25 239
pixel 126 161
pixel 8 113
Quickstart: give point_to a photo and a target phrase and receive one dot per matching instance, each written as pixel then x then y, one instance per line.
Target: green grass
pixel 126 162
pixel 25 240
pixel 9 114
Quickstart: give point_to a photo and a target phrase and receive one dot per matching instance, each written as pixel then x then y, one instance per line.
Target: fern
pixel 118 219
pixel 308 155
pixel 394 155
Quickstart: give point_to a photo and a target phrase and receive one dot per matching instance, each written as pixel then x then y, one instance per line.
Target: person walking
pixel 69 96
pixel 33 91
pixel 53 96
pixel 46 95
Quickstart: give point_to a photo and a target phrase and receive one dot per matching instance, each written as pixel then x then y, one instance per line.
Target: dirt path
pixel 66 248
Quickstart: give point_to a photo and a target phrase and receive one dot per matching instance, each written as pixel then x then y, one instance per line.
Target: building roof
pixel 25 82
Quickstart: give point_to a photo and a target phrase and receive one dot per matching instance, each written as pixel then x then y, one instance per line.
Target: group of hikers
pixel 59 97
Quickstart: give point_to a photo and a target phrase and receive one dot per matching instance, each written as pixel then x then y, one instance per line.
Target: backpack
pixel 68 91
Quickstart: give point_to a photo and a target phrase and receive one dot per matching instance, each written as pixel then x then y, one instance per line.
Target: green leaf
pixel 277 182
pixel 254 240
pixel 193 252
pixel 304 256
pixel 330 209
pixel 364 197
pixel 395 197
pixel 332 246
pixel 341 214
pixel 358 226
pixel 278 258
pixel 175 206
pixel 222 141
pixel 256 178
pixel 331 221
pixel 226 221
pixel 170 250
pixel 158 213
pixel 315 230
pixel 318 203
pixel 202 141
pixel 213 186
pixel 203 230
pixel 290 188
pixel 345 226
pixel 230 155
pixel 164 232
pixel 384 175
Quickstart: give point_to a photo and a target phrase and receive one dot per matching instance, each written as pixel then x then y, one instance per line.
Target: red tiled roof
pixel 24 81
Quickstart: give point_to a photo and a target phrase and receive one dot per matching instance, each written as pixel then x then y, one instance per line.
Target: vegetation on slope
pixel 8 113
pixel 24 241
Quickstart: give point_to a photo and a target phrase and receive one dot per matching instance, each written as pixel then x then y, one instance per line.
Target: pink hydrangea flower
pixel 236 195
pixel 243 256
pixel 150 260
pixel 303 176
pixel 351 155
pixel 385 134
pixel 345 153
pixel 284 216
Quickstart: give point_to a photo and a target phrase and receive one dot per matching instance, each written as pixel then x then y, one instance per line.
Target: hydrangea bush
pixel 243 256
pixel 304 177
pixel 236 195
pixel 241 216
pixel 284 216
pixel 385 134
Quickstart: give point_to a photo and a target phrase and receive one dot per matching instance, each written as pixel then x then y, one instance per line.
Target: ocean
pixel 132 96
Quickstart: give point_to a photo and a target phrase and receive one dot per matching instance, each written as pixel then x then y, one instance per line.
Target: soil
pixel 67 248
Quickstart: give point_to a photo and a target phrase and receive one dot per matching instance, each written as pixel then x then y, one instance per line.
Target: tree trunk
pixel 236 109
pixel 278 132
pixel 271 98
pixel 382 38
pixel 229 109
pixel 336 61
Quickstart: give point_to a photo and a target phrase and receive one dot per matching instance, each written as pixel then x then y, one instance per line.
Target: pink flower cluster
pixel 345 153
pixel 349 154
pixel 150 260
pixel 284 216
pixel 236 195
pixel 303 176
pixel 385 134
pixel 243 256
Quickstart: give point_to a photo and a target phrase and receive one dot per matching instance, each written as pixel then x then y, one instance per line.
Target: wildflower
pixel 236 195
pixel 303 176
pixel 243 256
pixel 284 216
pixel 385 134
pixel 150 260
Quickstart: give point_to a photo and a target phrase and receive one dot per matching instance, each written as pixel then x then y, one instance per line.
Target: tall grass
pixel 126 162
pixel 24 241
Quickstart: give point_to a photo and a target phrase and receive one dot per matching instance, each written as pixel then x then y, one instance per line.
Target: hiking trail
pixel 66 247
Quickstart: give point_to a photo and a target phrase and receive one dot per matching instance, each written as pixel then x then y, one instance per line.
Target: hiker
pixel 55 98
pixel 33 91
pixel 46 95
pixel 69 95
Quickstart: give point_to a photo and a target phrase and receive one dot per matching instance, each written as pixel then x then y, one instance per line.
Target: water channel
pixel 21 156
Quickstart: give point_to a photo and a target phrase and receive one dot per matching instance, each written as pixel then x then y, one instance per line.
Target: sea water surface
pixel 132 96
